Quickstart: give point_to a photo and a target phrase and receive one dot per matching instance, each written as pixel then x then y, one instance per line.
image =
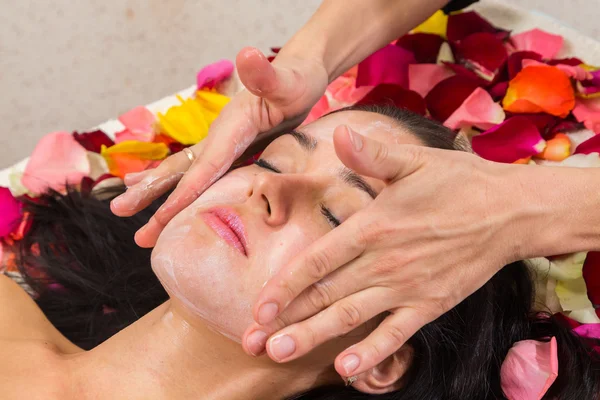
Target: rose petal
pixel 213 74
pixel 139 125
pixel 529 369
pixel 93 141
pixel 318 110
pixel 567 61
pixel 557 148
pixel 344 91
pixel 464 24
pixel 387 65
pixel 132 156
pixel 56 161
pixel 484 53
pixel 424 46
pixel 512 140
pixel 591 331
pixel 448 95
pixel 466 72
pixel 576 73
pixel 423 77
pixel 477 110
pixel 397 96
pixel 588 112
pixel 544 43
pixel 10 213
pixel 437 24
pixel 515 61
pixel 498 91
pixel 540 88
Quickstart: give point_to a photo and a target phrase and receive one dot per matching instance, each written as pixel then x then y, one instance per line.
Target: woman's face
pixel 216 255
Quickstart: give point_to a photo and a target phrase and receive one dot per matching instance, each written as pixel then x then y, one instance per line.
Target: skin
pixel 194 337
pixel 412 264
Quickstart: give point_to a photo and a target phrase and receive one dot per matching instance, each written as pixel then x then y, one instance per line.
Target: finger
pixel 311 301
pixel 153 184
pixel 375 159
pixel 341 318
pixel 385 340
pixel 229 136
pixel 132 178
pixel 267 80
pixel 324 256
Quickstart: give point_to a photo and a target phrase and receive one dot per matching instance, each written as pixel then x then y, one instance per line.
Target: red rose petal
pixel 424 46
pixel 484 52
pixel 466 72
pixel 465 24
pixel 510 141
pixel 567 61
pixel 93 141
pixel 591 276
pixel 515 61
pixel 544 43
pixel 395 95
pixel 387 65
pixel 592 145
pixel 498 91
pixel 448 95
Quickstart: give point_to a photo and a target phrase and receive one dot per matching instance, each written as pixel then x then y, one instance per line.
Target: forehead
pixel 373 125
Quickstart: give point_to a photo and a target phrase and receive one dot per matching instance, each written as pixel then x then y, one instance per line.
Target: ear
pixel 386 376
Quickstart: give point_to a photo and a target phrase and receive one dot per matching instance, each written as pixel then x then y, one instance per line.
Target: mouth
pixel 229 226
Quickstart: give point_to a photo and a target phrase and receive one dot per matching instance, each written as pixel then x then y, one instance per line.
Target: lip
pixel 229 226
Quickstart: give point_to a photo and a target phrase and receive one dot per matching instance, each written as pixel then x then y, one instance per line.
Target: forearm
pixel 342 33
pixel 561 209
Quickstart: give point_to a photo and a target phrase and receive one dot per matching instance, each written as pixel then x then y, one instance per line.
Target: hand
pixel 445 224
pixel 279 95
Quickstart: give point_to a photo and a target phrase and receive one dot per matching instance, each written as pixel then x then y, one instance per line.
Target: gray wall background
pixel 71 64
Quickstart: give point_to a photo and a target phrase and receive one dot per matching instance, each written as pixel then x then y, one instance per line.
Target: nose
pixel 278 195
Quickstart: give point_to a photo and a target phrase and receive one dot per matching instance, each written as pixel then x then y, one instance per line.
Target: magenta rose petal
pixel 510 141
pixel 423 77
pixel 395 95
pixel 478 110
pixel 424 46
pixel 484 53
pixel 544 43
pixel 387 65
pixel 56 160
pixel 213 74
pixel 592 145
pixel 10 212
pixel 93 141
pixel 448 95
pixel 464 24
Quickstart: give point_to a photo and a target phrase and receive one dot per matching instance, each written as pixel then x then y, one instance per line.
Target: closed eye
pixel 331 219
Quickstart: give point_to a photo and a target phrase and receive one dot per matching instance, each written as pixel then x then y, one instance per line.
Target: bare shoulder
pixel 22 319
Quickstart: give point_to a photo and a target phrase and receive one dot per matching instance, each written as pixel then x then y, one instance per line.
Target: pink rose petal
pixel 139 125
pixel 515 138
pixel 576 73
pixel 57 160
pixel 478 110
pixel 529 369
pixel 10 213
pixel 544 43
pixel 387 65
pixel 318 110
pixel 213 74
pixel 588 112
pixel 423 77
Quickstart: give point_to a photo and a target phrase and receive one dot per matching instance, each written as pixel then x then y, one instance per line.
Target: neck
pixel 163 356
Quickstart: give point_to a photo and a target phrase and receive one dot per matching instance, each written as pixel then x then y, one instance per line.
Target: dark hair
pixel 91 280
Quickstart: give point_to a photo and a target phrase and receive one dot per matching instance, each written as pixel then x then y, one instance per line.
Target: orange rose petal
pixel 540 88
pixel 525 160
pixel 557 148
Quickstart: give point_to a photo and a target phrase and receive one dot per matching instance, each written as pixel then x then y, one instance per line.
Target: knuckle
pixel 381 154
pixel 288 290
pixel 396 336
pixel 318 296
pixel 318 265
pixel 349 315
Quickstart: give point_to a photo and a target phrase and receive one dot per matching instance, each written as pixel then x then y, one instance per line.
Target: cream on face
pixel 281 213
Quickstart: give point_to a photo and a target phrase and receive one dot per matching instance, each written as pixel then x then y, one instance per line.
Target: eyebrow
pixel 349 177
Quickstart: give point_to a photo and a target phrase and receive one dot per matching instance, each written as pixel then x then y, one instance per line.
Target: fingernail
pixel 256 342
pixel 267 313
pixel 142 229
pixel 355 138
pixel 131 176
pixel 117 201
pixel 350 363
pixel 282 346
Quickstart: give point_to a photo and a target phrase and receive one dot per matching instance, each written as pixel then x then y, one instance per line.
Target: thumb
pixel 263 79
pixel 369 157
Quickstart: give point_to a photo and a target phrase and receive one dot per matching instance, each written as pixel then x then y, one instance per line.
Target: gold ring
pixel 190 154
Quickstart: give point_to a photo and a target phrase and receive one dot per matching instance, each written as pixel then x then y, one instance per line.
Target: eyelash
pixel 333 221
